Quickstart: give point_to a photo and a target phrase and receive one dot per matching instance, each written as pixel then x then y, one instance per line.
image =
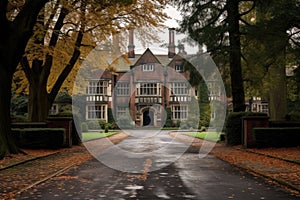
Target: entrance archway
pixel 148 118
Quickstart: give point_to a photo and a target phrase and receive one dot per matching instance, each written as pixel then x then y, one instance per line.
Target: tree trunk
pixel 7 145
pixel 238 95
pixel 38 103
pixel 277 87
pixel 277 95
pixel 14 38
pixel 274 59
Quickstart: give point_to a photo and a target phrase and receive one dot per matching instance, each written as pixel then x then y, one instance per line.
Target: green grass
pixel 95 135
pixel 211 136
pixel 296 161
pixel 170 128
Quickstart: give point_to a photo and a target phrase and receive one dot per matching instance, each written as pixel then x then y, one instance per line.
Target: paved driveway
pixel 152 165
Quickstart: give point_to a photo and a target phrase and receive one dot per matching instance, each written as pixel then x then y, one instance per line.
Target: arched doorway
pixel 148 118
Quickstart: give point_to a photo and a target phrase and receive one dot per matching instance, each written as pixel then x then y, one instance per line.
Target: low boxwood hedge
pixel 276 137
pixel 34 138
pixel 283 124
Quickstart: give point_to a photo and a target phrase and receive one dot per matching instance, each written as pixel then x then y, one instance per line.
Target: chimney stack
pixel 131 46
pixel 171 46
pixel 116 44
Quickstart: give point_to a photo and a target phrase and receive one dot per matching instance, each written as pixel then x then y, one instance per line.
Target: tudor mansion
pixel 142 87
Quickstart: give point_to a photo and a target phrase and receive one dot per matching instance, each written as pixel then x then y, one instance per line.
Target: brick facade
pixel 146 87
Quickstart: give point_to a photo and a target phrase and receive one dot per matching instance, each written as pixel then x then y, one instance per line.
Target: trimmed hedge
pixel 169 122
pixel 84 127
pixel 284 124
pixel 277 137
pixel 293 116
pixel 110 116
pixel 234 127
pixel 35 138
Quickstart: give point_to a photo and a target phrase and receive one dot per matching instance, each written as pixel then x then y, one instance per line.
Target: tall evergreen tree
pixel 272 36
pixel 216 24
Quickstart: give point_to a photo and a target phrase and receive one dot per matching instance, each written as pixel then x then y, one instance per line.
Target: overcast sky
pixel 170 23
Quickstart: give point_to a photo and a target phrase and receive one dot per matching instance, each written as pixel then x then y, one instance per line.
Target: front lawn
pixel 211 136
pixel 95 135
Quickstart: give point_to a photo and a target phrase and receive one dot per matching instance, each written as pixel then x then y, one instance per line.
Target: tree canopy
pixel 69 31
pixel 270 44
pixel 216 24
pixel 44 27
pixel 255 37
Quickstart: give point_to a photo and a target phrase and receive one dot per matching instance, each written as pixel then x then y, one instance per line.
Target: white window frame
pixel 214 92
pixel 180 88
pixel 97 87
pixel 178 68
pixel 179 112
pixel 123 89
pixel 149 89
pixel 148 67
pixel 196 92
pixel 54 109
pixel 121 111
pixel 265 108
pixel 97 112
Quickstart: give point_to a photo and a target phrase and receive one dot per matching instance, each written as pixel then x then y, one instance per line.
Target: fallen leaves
pixel 277 169
pixel 65 177
pixel 21 176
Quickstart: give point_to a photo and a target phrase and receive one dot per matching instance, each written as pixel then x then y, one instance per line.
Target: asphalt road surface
pixel 152 165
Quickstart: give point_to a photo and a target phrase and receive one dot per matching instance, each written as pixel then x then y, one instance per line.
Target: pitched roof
pixel 123 63
pixel 147 57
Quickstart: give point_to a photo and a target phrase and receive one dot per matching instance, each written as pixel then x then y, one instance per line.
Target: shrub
pixel 202 129
pixel 114 125
pixel 19 118
pixel 106 128
pixel 110 116
pixel 65 111
pixel 204 114
pixel 234 128
pixel 276 137
pixel 92 125
pixel 178 122
pixel 293 116
pixel 102 124
pixel 192 122
pixel 283 124
pixel 84 127
pixel 65 114
pixel 169 122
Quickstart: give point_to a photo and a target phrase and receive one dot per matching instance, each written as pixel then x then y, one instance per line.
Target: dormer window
pixel 178 68
pixel 148 67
